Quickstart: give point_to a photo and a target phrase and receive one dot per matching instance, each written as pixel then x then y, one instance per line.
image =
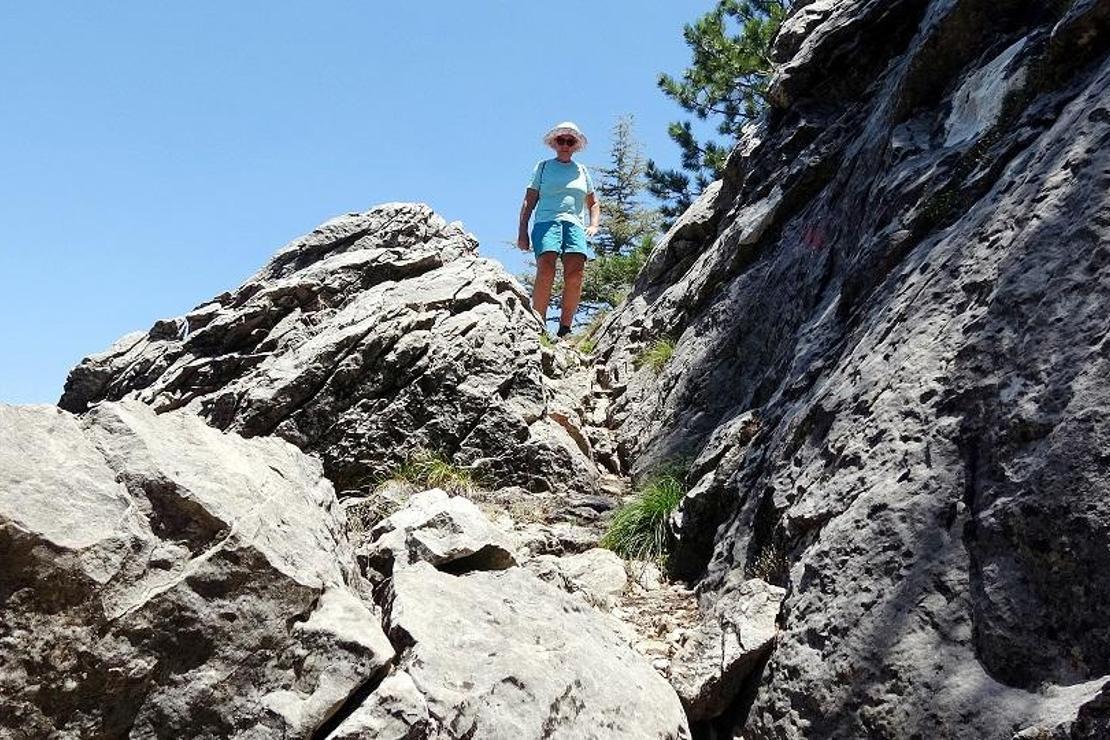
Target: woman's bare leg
pixel 573 267
pixel 545 276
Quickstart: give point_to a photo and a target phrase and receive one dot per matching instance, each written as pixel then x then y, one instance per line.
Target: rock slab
pixel 890 352
pixel 504 655
pixel 161 577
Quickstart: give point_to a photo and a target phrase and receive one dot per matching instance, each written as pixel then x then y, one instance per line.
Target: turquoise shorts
pixel 561 237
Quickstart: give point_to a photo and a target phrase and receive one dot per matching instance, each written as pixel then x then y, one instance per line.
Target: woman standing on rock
pixel 562 190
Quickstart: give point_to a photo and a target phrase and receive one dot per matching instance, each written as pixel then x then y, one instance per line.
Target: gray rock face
pixel 395 711
pixel 445 531
pixel 161 578
pixel 374 336
pixel 1091 719
pixel 599 575
pixel 890 362
pixel 726 648
pixel 505 655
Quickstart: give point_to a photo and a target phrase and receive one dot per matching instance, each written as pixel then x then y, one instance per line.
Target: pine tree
pixel 727 80
pixel 624 218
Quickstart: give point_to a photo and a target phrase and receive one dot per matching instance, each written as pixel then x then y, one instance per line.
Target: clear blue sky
pixel 155 154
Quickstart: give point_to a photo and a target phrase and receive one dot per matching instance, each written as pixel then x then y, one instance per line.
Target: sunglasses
pixel 566 140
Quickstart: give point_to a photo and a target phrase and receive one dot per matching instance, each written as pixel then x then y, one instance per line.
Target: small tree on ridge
pixel 727 80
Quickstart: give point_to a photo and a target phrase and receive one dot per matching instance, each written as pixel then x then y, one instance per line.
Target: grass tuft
pixel 657 355
pixel 639 529
pixel 769 565
pixel 425 469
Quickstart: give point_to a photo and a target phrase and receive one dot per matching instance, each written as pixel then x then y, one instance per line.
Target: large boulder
pixel 726 648
pixel 449 532
pixel 161 578
pixel 504 655
pixel 889 325
pixel 376 336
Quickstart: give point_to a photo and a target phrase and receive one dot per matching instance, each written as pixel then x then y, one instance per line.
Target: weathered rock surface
pixel 488 649
pixel 726 648
pixel 377 335
pixel 446 531
pixel 504 655
pixel 599 575
pixel 891 351
pixel 395 711
pixel 161 578
pixel 1091 719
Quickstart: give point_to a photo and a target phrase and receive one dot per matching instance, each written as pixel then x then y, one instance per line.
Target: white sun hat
pixel 563 129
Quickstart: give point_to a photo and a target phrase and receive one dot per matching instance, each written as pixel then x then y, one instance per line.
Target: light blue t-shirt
pixel 563 189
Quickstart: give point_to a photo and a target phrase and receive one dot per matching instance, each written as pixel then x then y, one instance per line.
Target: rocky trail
pixel 889 347
pixel 377 338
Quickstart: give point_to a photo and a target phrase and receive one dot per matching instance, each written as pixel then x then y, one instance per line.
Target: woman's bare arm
pixel 595 214
pixel 531 195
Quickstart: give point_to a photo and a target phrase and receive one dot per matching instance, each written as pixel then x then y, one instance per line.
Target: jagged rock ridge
pixel 389 326
pixel 377 335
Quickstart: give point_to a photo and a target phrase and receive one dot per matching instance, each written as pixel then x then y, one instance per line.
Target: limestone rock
pixel 645 574
pixel 163 577
pixel 377 335
pixel 1087 717
pixel 395 711
pixel 557 538
pixel 504 655
pixel 720 654
pixel 598 574
pixel 889 358
pixel 978 103
pixel 446 531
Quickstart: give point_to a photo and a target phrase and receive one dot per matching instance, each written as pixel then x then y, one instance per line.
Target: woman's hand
pixel 591 231
pixel 522 244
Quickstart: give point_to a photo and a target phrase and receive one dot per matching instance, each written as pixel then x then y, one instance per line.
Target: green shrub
pixel 657 354
pixel 586 345
pixel 639 529
pixel 608 279
pixel 425 469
